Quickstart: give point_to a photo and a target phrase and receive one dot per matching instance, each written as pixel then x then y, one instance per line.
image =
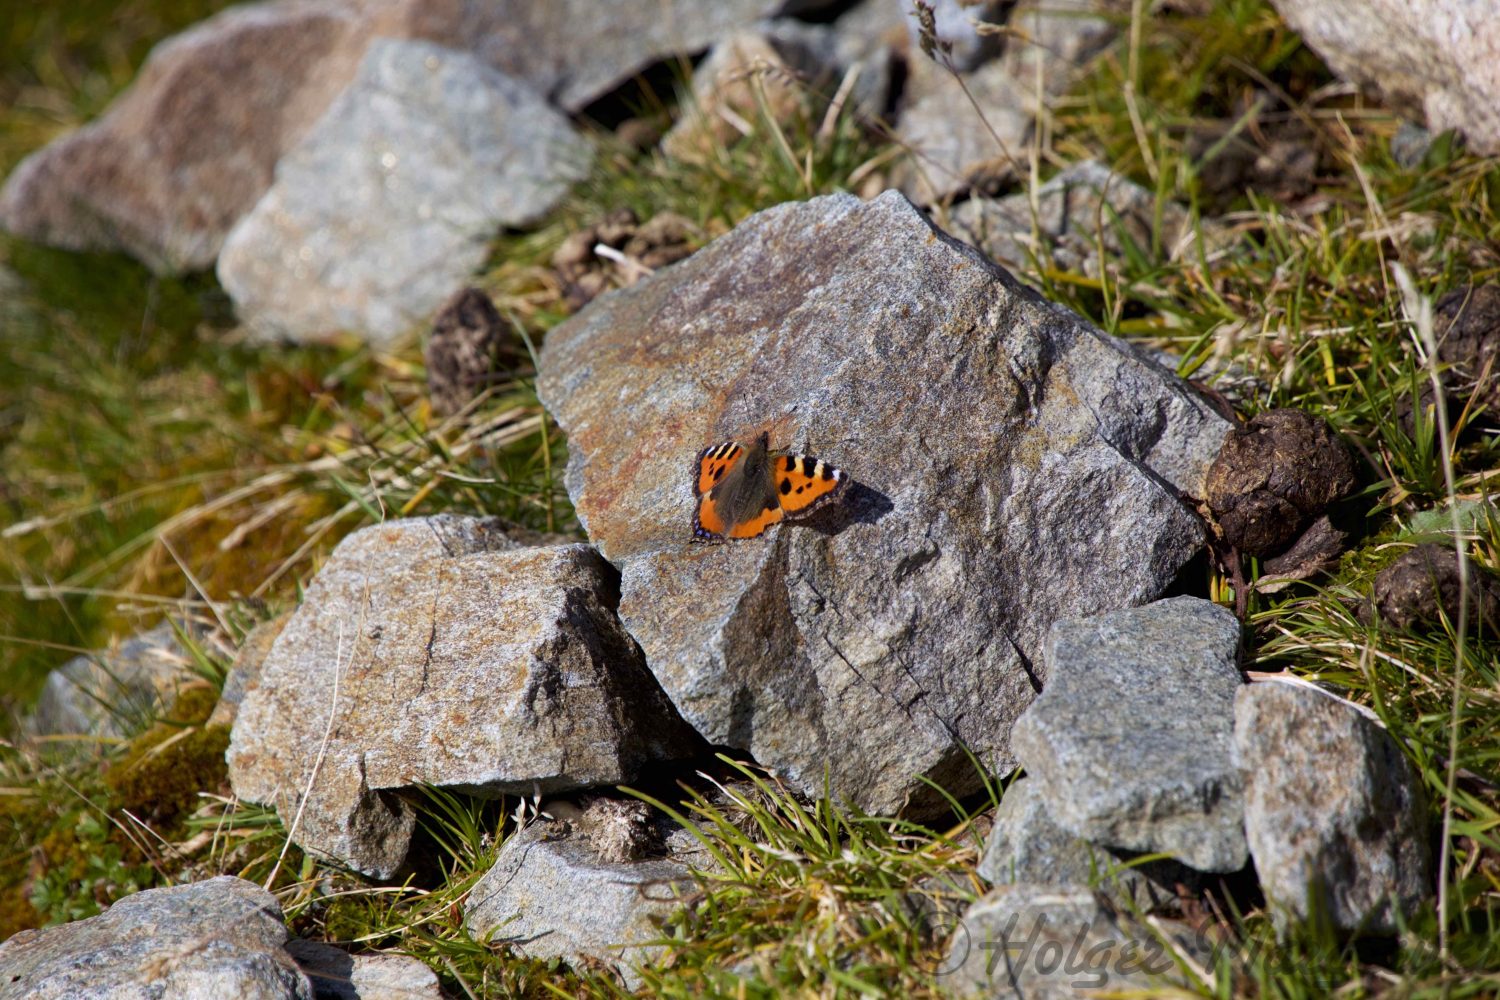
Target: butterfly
pixel 744 489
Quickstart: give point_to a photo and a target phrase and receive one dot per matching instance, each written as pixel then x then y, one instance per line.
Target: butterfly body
pixel 744 489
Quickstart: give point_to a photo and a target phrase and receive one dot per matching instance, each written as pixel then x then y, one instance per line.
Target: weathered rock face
pixel 437 651
pixel 1437 57
pixel 1027 845
pixel 387 205
pixel 1154 686
pixel 551 895
pixel 206 940
pixel 1334 812
pixel 104 693
pixel 1011 465
pixel 1040 942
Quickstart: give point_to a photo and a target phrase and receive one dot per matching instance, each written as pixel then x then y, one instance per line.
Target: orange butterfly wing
pixel 709 468
pixel 756 525
pixel 713 464
pixel 803 483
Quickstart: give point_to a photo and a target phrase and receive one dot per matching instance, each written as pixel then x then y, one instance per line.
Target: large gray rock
pixel 437 651
pixel 1040 942
pixel 1012 465
pixel 1335 814
pixel 206 940
pixel 1027 845
pixel 1130 740
pixel 114 692
pixel 387 206
pixel 1436 58
pixel 549 895
pixel 337 975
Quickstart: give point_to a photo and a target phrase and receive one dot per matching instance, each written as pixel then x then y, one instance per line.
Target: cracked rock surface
pixel 222 937
pixel 449 655
pixel 1154 687
pixel 1011 465
pixel 1334 811
pixel 388 204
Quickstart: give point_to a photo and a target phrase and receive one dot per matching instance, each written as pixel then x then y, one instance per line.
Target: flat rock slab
pixel 438 651
pixel 1437 57
pixel 387 205
pixel 208 940
pixel 1027 845
pixel 1039 942
pixel 1334 812
pixel 1131 738
pixel 549 895
pixel 1011 465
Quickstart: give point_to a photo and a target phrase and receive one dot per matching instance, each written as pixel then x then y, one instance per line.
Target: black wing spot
pixel 827 473
pixel 786 487
pixel 799 489
pixel 718 472
pixel 791 463
pixel 808 464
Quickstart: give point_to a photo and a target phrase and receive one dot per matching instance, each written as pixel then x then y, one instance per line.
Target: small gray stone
pixel 1334 812
pixel 898 631
pixel 1027 845
pixel 438 651
pixel 1082 209
pixel 112 692
pixel 973 129
pixel 1130 738
pixel 206 940
pixel 387 205
pixel 550 895
pixel 337 975
pixel 1040 942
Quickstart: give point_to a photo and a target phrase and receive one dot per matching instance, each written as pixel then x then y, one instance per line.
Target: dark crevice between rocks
pixel 647 96
pixel 819 12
